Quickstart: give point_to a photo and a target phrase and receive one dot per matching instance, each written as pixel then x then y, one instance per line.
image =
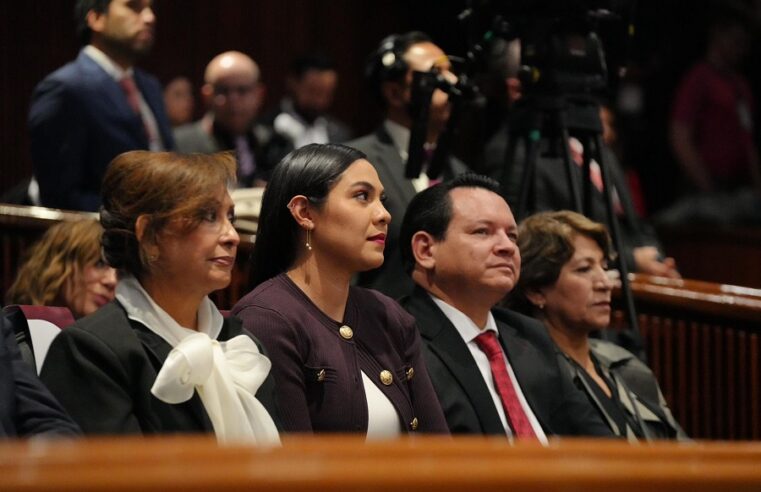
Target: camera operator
pixel 390 75
pixel 641 249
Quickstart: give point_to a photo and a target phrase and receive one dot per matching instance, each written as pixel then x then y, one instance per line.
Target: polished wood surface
pixel 421 463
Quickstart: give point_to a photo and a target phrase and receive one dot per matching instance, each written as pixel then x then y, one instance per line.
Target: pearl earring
pixel 308 243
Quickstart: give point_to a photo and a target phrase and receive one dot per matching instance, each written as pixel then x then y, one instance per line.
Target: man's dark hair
pixel 311 61
pixel 81 9
pixel 431 211
pixel 387 63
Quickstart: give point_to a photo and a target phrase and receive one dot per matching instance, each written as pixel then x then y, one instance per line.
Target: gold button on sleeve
pixel 410 373
pixel 414 424
pixel 321 375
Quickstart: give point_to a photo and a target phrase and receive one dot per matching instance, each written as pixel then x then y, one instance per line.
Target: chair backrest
pixel 36 327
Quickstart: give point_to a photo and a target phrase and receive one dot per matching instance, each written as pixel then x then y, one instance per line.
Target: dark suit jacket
pixel 102 369
pixel 390 278
pixel 79 121
pixel 557 404
pixel 268 148
pixel 26 406
pixel 318 371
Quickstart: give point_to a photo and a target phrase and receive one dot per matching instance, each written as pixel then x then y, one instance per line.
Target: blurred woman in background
pixel 65 268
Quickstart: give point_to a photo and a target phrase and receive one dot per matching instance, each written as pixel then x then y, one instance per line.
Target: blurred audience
pixel 712 132
pixel 179 101
pixel 565 284
pixel 303 117
pixel 494 371
pixel 96 107
pixel 26 406
pixel 65 268
pixel 233 95
pixel 151 361
pixel 346 359
pixel 389 74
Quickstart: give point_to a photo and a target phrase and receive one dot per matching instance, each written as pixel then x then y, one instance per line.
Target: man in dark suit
pixel 26 406
pixel 98 106
pixel 389 72
pixel 494 371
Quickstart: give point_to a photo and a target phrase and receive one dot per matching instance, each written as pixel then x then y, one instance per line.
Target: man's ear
pixel 301 211
pixel 207 94
pixel 424 249
pixel 96 21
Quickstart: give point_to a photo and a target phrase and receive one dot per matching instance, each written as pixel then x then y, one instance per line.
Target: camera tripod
pixel 540 119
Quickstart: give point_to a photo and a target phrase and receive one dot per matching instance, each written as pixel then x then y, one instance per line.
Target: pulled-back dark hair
pixel 311 171
pixel 431 211
pixel 80 15
pixel 165 186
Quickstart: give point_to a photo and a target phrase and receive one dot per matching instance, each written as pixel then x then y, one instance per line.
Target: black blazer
pixel 102 369
pixel 558 405
pixel 26 407
pixel 390 278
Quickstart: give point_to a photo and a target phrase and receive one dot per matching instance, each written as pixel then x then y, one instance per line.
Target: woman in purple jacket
pixel 345 359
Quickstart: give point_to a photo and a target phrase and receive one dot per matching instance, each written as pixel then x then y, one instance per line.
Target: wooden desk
pixel 339 463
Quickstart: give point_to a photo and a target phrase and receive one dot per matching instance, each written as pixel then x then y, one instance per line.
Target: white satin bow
pixel 226 376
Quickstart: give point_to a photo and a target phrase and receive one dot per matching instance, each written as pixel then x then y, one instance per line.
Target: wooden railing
pixel 703 342
pixel 342 463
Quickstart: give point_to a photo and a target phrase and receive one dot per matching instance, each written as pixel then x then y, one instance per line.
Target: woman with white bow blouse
pixel 161 358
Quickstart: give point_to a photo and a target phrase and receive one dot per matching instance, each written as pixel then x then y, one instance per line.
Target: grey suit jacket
pixel 468 406
pixel 390 278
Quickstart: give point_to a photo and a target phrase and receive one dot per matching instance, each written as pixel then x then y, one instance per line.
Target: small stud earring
pixel 308 243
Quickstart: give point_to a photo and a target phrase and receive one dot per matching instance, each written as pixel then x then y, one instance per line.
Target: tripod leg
pixel 529 169
pixel 615 231
pixel 569 171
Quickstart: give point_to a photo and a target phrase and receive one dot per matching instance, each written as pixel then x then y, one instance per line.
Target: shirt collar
pixel 107 64
pixel 465 326
pixel 142 308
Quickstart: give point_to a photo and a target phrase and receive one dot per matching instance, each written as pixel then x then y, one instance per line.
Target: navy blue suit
pixel 79 121
pixel 26 406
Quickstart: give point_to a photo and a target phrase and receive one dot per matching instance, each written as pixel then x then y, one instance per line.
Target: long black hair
pixel 311 171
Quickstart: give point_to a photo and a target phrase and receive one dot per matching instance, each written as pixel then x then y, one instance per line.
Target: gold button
pixel 346 332
pixel 414 424
pixel 410 373
pixel 321 375
pixel 386 377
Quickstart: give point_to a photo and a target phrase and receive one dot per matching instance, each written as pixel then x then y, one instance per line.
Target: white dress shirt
pixel 469 331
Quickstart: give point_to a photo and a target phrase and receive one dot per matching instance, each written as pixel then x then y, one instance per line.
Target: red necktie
pixel 130 90
pixel 516 417
pixel 133 98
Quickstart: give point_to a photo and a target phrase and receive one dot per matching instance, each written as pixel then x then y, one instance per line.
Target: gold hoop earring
pixel 308 244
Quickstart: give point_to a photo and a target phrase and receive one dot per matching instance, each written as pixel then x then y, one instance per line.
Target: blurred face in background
pixel 313 92
pixel 89 288
pixel 232 91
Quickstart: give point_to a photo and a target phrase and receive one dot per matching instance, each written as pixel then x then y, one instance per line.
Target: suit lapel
pixel 444 341
pixel 393 167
